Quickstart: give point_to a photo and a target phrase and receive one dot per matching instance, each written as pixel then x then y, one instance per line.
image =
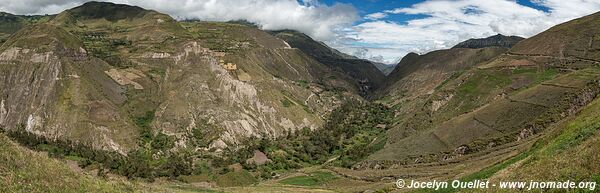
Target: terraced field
pixel 500 121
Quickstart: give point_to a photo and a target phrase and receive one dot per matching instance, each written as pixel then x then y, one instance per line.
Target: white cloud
pixel 37 6
pixel 309 16
pixel 448 22
pixel 376 16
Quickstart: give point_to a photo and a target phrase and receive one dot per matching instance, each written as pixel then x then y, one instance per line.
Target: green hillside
pixel 365 74
pixel 24 170
pixel 107 97
pixel 10 23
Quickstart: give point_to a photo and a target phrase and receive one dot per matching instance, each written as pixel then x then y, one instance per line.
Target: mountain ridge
pixel 119 59
pixel 495 40
pixel 132 92
pixel 368 76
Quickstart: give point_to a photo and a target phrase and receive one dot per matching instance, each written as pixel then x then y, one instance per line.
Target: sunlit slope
pixel 576 39
pixel 104 74
pixel 499 101
pixel 51 88
pixel 24 170
pixel 568 152
pixel 505 119
pixel 367 78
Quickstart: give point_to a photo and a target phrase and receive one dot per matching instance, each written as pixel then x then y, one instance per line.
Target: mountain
pixel 570 145
pixel 496 40
pixel 368 77
pixel 43 173
pixel 116 77
pixel 473 109
pixel 386 69
pixel 10 23
pixel 571 40
pixel 109 97
pixel 417 75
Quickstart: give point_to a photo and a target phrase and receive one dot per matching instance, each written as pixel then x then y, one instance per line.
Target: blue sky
pixel 366 7
pixel 378 30
pixel 426 25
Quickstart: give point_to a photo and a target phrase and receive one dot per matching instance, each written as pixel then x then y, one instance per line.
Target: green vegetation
pixel 312 179
pixel 575 132
pixel 483 81
pixel 549 152
pixel 143 123
pixel 286 103
pixel 451 78
pixel 109 11
pixel 158 140
pixel 218 36
pixel 239 178
pixel 22 170
pixel 302 83
pixel 352 132
pixel 36 37
pixel 194 178
pixel 538 75
pixel 100 45
pixel 116 33
pixel 363 72
pixel 153 158
pixel 140 162
pixel 203 134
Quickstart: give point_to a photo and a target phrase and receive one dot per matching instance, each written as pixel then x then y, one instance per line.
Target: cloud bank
pixel 444 23
pixel 318 20
pixel 377 36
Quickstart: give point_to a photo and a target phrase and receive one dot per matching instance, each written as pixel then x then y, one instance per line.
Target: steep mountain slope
pixel 368 77
pixel 504 119
pixel 44 77
pixel 571 146
pixel 576 39
pixel 417 75
pixel 497 40
pixel 494 104
pixel 140 94
pixel 386 69
pixel 24 170
pixel 10 23
pixel 115 77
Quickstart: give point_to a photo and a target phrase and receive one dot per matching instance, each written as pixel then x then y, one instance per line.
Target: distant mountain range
pixel 497 40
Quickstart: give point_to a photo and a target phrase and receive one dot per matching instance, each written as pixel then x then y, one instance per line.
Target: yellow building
pixel 230 66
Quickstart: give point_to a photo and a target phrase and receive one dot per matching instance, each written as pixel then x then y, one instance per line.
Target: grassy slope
pixel 576 38
pixel 505 116
pixel 10 23
pixel 360 70
pixel 313 179
pixel 23 170
pixel 568 153
pixel 421 79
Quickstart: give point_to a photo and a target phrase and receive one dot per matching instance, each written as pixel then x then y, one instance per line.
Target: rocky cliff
pixel 105 75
